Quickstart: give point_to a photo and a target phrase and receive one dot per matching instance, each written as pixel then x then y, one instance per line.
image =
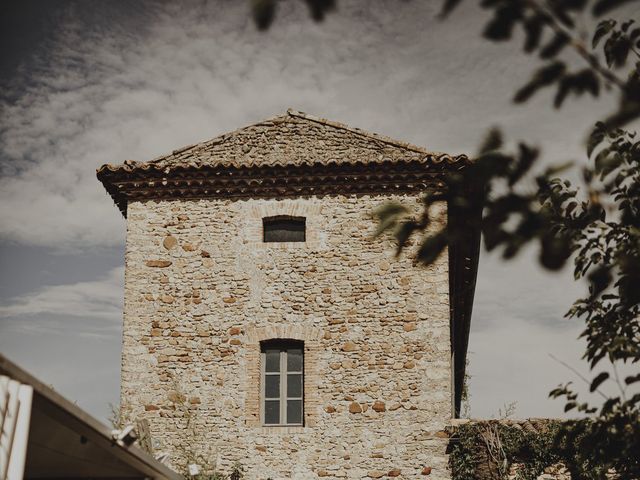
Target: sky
pixel 88 83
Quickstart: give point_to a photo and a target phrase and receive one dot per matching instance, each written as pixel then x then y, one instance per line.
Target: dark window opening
pixel 282 382
pixel 284 228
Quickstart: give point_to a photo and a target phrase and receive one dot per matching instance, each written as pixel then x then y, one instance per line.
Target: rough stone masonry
pixel 203 290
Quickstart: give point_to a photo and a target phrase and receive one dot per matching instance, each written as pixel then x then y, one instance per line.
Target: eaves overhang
pixel 125 185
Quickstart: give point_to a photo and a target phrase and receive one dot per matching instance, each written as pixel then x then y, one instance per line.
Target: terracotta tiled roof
pixel 292 139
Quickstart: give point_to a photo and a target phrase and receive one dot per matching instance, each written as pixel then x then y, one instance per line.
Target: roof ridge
pixel 359 131
pixel 216 139
pixel 289 114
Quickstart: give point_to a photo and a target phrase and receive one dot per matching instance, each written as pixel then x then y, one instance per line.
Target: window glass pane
pixel 294 411
pixel 272 386
pixel 272 361
pixel 294 385
pixel 272 412
pixel 284 229
pixel 294 360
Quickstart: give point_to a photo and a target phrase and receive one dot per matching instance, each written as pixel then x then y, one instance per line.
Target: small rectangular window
pixel 282 382
pixel 283 228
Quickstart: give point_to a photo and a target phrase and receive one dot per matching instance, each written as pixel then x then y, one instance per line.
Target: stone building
pixel 263 322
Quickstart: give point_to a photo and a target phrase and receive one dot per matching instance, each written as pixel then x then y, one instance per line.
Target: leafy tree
pixel 596 224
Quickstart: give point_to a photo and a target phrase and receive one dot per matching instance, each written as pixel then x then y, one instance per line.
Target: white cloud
pixel 69 335
pixel 99 299
pixel 132 81
pixel 139 82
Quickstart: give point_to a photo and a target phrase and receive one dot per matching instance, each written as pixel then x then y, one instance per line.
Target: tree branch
pixel 577 44
pixel 582 377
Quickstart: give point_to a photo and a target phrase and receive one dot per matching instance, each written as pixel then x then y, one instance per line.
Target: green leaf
pixel 319 8
pixel 600 279
pixel 571 206
pixel 403 232
pixel 570 406
pixel 625 26
pixel 606 162
pixel 598 381
pixel 501 25
pixel 595 138
pixel 388 215
pixel 602 29
pixel 632 379
pixel 555 46
pixel 263 13
pixel 564 86
pixel 616 49
pixel 390 209
pixel 526 157
pixel 448 6
pixel 543 77
pixel 533 31
pixel 492 141
pixel 432 247
pixel 555 250
pixel 580 82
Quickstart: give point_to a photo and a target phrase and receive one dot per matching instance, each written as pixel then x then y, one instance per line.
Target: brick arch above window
pixel 292 332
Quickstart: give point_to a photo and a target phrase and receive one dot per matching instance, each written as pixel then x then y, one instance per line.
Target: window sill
pixel 283 246
pixel 283 430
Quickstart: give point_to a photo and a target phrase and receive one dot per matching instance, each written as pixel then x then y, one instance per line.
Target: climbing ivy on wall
pixel 487 450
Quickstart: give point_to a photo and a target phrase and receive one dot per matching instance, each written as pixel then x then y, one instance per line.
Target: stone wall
pixel 202 290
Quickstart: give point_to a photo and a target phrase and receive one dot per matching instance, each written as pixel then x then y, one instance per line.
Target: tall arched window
pixel 282 382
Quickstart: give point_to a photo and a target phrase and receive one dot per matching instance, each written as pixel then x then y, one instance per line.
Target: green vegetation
pixel 488 450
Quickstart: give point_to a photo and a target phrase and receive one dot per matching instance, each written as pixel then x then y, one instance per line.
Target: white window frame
pixel 283 347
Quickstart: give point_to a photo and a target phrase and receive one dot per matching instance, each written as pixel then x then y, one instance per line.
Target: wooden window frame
pixel 280 218
pixel 283 346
